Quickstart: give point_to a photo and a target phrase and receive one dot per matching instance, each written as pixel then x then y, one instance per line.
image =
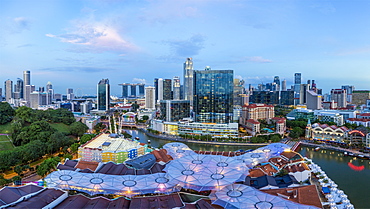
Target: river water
pixel 351 174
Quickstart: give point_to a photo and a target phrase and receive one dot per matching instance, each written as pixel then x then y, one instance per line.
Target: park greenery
pixel 34 136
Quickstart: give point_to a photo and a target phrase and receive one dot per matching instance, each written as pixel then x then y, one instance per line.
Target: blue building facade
pixel 213 96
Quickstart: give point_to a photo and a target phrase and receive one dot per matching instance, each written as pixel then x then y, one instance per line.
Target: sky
pixel 75 43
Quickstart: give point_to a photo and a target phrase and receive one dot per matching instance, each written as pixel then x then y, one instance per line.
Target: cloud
pixel 92 36
pixel 139 80
pixel 186 48
pixel 77 69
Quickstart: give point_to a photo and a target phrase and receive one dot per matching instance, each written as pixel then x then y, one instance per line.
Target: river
pixel 351 174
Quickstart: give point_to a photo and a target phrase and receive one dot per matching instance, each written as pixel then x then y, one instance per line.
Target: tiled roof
pixel 161 155
pixel 12 194
pixel 40 200
pixel 167 201
pixel 306 195
pixel 252 121
pixel 86 164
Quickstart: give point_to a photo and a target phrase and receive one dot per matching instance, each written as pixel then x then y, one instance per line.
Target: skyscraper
pixel 8 89
pixel 176 88
pixel 27 77
pixel 70 94
pixel 19 87
pixel 297 87
pixel 283 85
pixel 50 92
pixel 188 80
pixel 213 96
pixel 277 82
pixel 141 90
pixel 149 97
pixel 103 92
pixel 167 92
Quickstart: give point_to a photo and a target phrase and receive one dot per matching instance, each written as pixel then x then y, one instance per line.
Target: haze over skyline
pixel 76 43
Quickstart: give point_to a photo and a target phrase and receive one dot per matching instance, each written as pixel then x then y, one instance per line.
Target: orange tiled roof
pixel 86 164
pixel 307 195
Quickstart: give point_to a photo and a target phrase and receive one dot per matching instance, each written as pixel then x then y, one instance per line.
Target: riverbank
pixel 180 139
pixel 339 149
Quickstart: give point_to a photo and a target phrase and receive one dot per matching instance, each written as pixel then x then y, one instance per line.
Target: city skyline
pixel 74 44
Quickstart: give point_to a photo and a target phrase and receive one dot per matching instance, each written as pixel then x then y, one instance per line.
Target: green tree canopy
pixel 78 128
pixel 6 112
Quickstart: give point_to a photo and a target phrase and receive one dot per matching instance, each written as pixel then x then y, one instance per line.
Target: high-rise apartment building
pixel 339 96
pixel 103 92
pixel 213 96
pixel 150 97
pixel 188 80
pixel 176 88
pixel 8 89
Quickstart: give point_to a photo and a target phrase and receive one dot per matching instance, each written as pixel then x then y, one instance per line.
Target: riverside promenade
pixel 340 149
pixel 180 139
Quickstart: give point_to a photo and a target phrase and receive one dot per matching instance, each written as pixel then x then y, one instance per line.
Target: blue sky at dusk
pixel 75 43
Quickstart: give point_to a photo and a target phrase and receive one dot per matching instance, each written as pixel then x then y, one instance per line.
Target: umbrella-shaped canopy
pixel 130 185
pixel 178 150
pixel 206 172
pixel 242 196
pixel 63 179
pixel 96 183
pixel 161 183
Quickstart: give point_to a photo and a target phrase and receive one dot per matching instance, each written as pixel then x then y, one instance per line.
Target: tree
pixel 26 114
pixel 296 132
pixel 135 106
pixel 18 169
pixel 45 167
pixel 145 117
pixel 78 128
pixel 86 137
pixel 6 112
pixel 98 127
pixel 74 147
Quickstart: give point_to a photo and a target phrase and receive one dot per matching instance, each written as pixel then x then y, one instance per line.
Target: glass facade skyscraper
pixel 103 95
pixel 213 96
pixel 188 80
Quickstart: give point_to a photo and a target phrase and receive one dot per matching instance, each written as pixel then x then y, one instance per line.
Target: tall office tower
pixel 41 89
pixel 314 101
pixel 339 96
pixel 27 77
pixel 141 90
pixel 303 93
pixel 49 86
pixel 150 97
pixel 213 96
pixel 133 90
pixel 239 92
pixel 297 88
pixel 19 88
pixel 103 95
pixel 277 81
pixel 297 78
pixel 50 90
pixel 158 89
pixel 35 98
pixel 70 94
pixel 350 90
pixel 1 94
pixel 283 85
pixel 8 89
pixel 28 89
pixel 189 80
pixel 167 89
pixel 176 88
